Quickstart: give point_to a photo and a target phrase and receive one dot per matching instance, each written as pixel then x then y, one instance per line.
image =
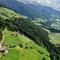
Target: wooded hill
pixel 16 22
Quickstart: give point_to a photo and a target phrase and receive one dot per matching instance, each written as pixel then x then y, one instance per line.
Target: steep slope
pixel 19 24
pixel 19 46
pixel 27 28
pixel 24 47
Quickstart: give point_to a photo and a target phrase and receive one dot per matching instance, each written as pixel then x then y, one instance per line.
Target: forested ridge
pixel 28 28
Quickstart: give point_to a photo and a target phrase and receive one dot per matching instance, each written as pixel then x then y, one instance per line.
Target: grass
pixel 12 55
pixel 29 54
pixel 23 53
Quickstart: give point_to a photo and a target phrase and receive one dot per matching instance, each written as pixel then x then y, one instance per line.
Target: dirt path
pixel 2 39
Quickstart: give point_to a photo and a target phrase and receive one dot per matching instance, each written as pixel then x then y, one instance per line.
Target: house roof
pixel 2 49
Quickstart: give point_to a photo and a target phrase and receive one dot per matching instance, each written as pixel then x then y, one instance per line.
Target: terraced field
pixel 55 38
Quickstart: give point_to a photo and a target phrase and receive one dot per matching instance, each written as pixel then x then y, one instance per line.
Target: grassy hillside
pixel 10 21
pixel 20 47
pixel 24 38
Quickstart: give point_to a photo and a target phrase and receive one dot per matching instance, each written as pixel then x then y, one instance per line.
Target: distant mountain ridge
pixel 31 10
pixel 34 10
pixel 55 4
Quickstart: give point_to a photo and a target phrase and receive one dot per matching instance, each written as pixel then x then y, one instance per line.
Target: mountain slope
pixel 19 7
pixel 26 46
pixel 27 28
pixel 18 44
pixel 49 3
pixel 35 10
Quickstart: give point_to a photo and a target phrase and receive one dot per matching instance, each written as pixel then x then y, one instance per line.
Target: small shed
pixel 2 50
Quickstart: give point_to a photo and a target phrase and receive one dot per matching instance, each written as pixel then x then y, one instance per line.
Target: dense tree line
pixel 26 27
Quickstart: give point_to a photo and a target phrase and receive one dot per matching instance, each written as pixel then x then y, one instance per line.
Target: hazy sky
pixel 51 3
pixel 41 1
pixel 45 2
